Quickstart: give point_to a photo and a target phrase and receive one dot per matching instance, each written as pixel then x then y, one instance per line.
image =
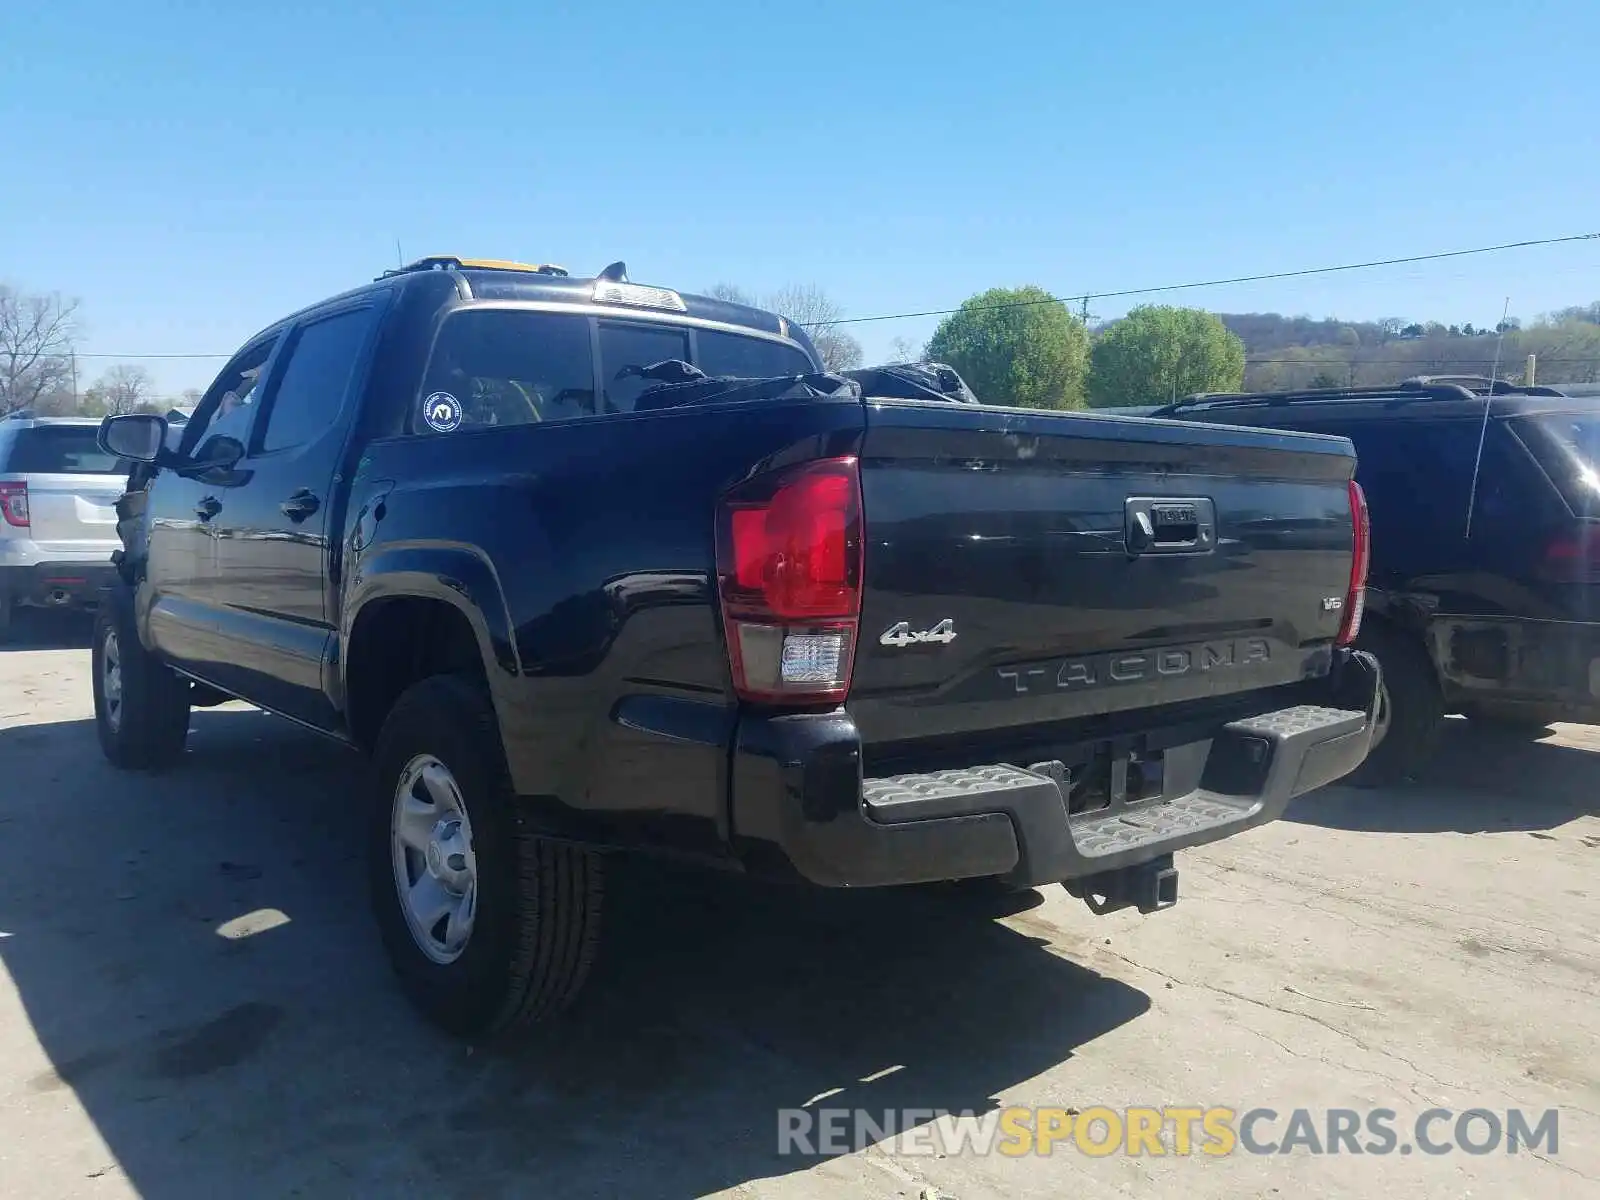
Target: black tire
pixel 537 921
pixel 7 608
pixel 147 729
pixel 1414 704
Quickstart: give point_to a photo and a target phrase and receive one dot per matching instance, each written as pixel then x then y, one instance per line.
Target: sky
pixel 192 171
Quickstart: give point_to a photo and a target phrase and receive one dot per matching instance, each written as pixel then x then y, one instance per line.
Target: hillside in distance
pixel 1297 351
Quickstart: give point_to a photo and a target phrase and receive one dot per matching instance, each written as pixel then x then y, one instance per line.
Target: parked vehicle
pixel 590 566
pixel 1483 598
pixel 57 524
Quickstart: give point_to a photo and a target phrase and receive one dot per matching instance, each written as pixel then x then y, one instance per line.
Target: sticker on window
pixel 442 412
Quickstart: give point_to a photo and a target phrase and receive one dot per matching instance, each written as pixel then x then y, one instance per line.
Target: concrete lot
pixel 193 1002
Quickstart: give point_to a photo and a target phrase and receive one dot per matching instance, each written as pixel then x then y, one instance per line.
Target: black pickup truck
pixel 588 566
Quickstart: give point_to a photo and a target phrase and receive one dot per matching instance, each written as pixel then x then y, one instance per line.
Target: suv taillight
pixel 789 578
pixel 14 504
pixel 1355 600
pixel 1572 557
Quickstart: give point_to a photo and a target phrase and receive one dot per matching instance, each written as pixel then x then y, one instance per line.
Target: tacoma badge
pixel 901 634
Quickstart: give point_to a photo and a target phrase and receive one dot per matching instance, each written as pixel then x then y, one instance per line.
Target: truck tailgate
pixel 1024 568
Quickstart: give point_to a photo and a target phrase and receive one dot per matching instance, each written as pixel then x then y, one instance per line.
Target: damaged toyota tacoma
pixel 588 566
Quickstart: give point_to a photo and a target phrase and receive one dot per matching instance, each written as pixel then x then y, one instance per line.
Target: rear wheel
pixel 1410 707
pixel 141 706
pixel 488 926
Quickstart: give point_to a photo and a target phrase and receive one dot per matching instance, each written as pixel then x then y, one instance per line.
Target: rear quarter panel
pixel 613 691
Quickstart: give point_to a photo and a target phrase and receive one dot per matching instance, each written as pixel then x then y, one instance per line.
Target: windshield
pixel 61 450
pixel 1567 446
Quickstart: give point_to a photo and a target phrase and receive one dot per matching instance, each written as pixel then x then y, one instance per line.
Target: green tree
pixel 1158 353
pixel 1016 346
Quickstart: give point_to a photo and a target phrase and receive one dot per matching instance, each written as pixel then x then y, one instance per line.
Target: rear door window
pixel 1567 446
pixel 61 450
pixel 504 367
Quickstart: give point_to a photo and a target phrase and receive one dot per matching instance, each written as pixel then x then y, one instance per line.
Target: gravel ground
pixel 193 1002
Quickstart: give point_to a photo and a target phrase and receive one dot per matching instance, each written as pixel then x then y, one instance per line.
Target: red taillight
pixel 1573 557
pixel 789 577
pixel 1355 600
pixel 14 504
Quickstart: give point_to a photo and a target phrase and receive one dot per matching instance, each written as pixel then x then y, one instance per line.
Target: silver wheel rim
pixel 1380 723
pixel 435 871
pixel 111 679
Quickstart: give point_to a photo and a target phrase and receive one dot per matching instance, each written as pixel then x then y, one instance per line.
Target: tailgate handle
pixel 1170 525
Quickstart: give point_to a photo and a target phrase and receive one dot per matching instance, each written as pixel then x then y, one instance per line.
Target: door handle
pixel 208 508
pixel 300 505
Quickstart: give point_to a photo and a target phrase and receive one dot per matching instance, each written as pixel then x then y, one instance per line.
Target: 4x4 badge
pixel 901 634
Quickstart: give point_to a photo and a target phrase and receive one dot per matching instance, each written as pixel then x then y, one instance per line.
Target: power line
pixel 1420 361
pixel 84 354
pixel 1085 297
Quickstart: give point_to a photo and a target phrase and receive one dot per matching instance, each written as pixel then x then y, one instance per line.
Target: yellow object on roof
pixel 503 264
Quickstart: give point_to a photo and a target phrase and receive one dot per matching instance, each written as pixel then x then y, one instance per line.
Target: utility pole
pixel 1528 375
pixel 74 380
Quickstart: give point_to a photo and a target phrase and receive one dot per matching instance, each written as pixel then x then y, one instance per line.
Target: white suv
pixel 58 521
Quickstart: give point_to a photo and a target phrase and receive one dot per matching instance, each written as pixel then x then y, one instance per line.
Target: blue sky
pixel 192 171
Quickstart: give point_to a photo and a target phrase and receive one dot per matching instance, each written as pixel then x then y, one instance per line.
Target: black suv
pixel 1482 597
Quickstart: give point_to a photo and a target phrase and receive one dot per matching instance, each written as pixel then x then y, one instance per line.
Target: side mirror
pixel 136 436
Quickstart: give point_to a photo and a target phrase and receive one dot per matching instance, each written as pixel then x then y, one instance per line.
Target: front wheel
pixel 141 705
pixel 488 926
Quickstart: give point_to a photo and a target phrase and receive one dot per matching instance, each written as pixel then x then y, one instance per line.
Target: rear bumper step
pixel 798 792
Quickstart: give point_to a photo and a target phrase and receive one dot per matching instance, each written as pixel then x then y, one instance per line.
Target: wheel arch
pixel 443 606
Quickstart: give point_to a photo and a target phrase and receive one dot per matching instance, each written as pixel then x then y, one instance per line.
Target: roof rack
pixel 1480 385
pixel 1407 392
pixel 449 262
pixel 1417 388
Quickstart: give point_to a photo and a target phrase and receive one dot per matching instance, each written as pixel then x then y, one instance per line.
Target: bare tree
pixel 732 293
pixel 59 402
pixel 36 341
pixel 809 307
pixel 905 350
pixel 123 389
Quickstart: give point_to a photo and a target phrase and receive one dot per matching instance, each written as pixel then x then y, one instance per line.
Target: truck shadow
pixel 48 629
pixel 1479 782
pixel 194 953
